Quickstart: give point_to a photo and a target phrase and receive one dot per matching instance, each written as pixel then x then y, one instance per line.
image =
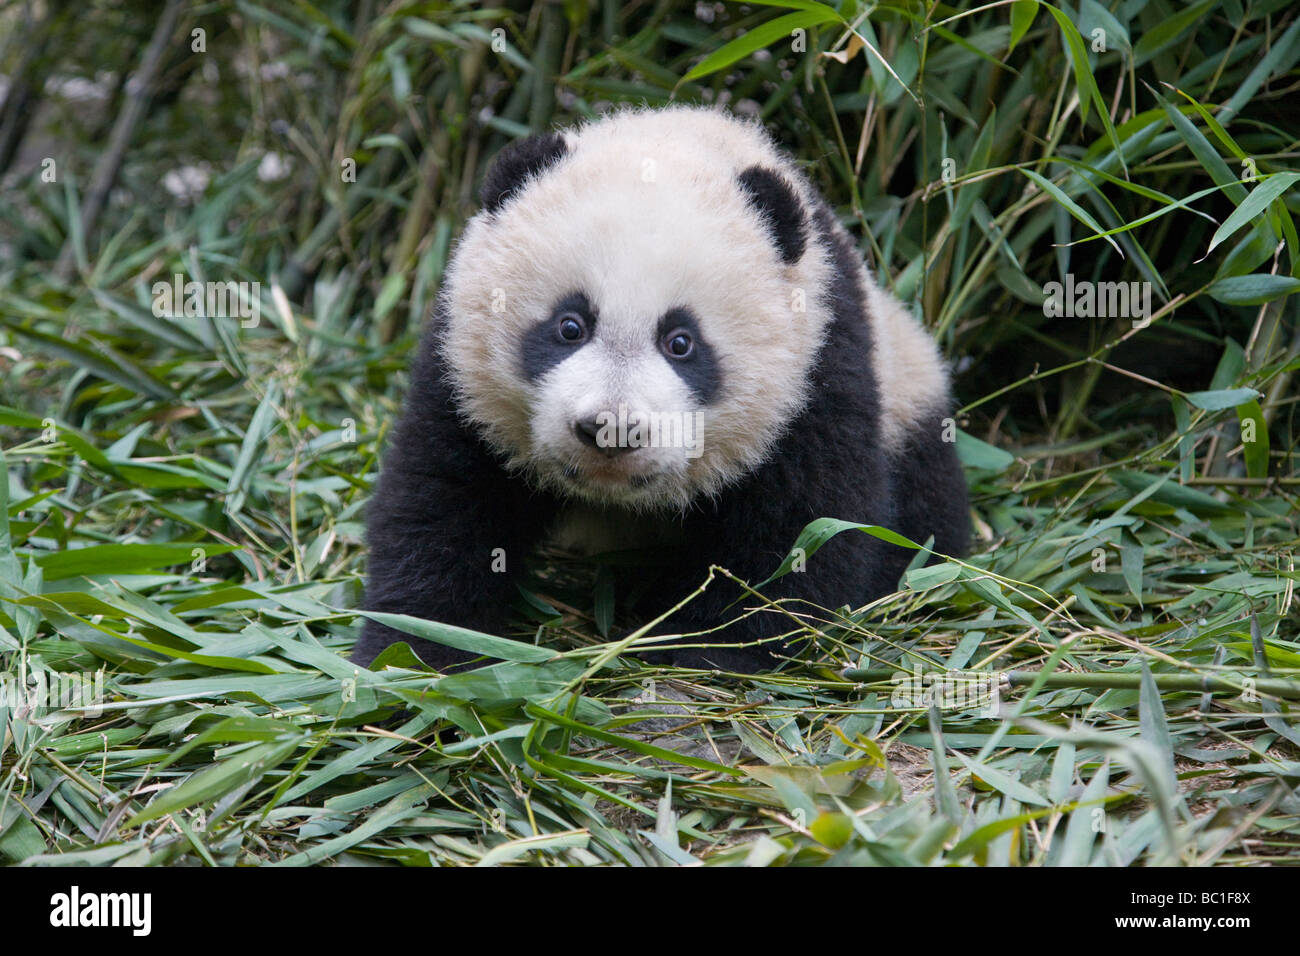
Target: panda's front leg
pixel 447 531
pixel 750 529
pixel 750 640
pixel 850 569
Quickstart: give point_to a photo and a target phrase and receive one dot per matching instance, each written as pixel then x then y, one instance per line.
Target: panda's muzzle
pixel 588 431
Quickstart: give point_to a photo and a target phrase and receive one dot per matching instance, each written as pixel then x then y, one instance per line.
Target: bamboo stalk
pixel 546 64
pixel 25 88
pixel 139 91
pixel 301 265
pixel 1212 480
pixel 415 221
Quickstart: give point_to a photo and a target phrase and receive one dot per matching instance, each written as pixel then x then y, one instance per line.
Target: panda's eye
pixel 571 328
pixel 678 344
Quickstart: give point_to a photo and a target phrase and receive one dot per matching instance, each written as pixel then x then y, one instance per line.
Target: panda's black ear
pixel 776 201
pixel 515 163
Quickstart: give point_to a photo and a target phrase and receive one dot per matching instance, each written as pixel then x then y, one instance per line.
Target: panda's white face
pixel 625 330
pixel 619 408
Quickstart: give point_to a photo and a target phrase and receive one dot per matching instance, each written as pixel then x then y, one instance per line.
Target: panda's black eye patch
pixel 689 354
pixel 571 324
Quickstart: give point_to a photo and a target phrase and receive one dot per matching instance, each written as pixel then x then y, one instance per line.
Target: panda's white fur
pixel 911 373
pixel 637 212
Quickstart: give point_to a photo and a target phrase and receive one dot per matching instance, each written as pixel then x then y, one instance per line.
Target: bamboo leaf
pixel 1253 205
pixel 761 37
pixel 1255 289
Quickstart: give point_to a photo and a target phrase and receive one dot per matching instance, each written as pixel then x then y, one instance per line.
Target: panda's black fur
pixel 445 503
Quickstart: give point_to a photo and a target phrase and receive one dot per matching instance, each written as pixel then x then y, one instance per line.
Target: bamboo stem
pixel 1213 480
pixel 546 64
pixel 140 90
pixel 20 103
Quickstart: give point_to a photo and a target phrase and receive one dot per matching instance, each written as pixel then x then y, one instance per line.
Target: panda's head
pixel 634 315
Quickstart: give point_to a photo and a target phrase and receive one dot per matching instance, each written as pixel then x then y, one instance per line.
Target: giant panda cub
pixel 655 334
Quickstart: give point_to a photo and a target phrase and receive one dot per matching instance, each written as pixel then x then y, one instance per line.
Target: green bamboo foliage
pixel 1110 678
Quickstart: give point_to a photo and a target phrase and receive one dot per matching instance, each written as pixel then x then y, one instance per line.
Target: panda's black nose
pixel 588 432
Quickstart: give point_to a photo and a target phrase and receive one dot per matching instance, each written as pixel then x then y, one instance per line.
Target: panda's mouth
pixel 610 473
pixel 618 476
pixel 646 485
